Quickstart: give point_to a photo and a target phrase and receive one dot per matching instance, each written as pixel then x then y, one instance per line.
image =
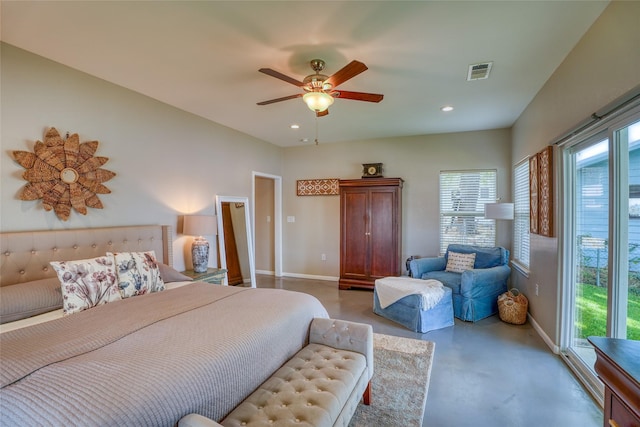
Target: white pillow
pixel 86 283
pixel 457 262
pixel 138 273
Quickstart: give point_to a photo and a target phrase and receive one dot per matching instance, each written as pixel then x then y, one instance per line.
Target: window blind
pixel 463 195
pixel 521 213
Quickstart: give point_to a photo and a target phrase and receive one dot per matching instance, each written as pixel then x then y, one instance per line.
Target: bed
pixel 146 360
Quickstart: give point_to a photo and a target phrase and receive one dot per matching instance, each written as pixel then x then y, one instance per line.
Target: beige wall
pixel 604 65
pixel 168 162
pixel 418 160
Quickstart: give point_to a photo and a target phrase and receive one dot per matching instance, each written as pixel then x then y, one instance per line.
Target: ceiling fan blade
pixel 284 98
pixel 278 75
pixel 349 71
pixel 322 113
pixel 358 96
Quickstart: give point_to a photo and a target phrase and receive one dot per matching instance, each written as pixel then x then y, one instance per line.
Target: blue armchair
pixel 475 292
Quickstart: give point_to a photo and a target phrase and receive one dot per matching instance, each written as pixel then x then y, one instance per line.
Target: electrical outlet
pixel 291 219
pixel 323 257
pixel 536 289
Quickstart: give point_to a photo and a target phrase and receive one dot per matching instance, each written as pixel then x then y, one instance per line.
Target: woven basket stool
pixel 512 307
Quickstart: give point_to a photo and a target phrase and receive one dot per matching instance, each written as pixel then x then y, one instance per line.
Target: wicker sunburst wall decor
pixel 64 174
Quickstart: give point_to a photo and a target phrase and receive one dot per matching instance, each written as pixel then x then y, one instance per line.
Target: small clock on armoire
pixel 372 170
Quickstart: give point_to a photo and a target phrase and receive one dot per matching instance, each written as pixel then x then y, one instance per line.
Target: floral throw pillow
pixel 86 283
pixel 138 273
pixel 457 262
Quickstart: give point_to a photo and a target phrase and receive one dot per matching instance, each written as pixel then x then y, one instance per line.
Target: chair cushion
pixel 447 278
pixel 485 257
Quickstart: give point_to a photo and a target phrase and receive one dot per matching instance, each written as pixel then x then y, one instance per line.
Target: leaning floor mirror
pixel 235 243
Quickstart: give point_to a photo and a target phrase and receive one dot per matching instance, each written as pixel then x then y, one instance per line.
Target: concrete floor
pixel 487 373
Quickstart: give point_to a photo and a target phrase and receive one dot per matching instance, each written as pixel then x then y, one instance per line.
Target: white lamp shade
pixel 317 101
pixel 498 210
pixel 200 225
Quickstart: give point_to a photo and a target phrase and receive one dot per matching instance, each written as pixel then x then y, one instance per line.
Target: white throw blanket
pixel 392 289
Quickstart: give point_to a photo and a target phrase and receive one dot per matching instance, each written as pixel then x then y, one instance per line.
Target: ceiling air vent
pixel 479 71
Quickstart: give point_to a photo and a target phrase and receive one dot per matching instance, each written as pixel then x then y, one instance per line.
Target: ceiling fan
pixel 320 89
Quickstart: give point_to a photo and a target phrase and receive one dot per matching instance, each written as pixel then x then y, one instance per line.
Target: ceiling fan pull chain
pixel 316 130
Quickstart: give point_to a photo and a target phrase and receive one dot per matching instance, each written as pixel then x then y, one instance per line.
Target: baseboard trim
pixel 311 276
pixel 299 276
pixel 554 348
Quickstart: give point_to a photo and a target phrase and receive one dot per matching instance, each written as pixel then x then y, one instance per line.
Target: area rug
pixel 401 374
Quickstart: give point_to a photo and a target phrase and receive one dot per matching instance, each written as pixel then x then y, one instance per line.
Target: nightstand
pixel 212 275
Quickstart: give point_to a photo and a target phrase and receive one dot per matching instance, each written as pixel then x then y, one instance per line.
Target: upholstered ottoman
pixel 420 305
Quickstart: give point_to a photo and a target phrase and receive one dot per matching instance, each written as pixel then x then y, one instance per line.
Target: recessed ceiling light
pixel 447 108
pixel 295 126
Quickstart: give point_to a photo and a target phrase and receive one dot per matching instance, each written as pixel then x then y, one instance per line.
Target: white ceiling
pixel 204 56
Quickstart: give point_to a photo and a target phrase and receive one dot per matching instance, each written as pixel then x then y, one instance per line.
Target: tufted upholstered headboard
pixel 25 255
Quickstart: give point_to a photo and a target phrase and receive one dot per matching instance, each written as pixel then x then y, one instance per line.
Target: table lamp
pixel 200 225
pixel 498 210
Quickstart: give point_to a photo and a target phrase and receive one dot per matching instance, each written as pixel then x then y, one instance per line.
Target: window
pixel 521 214
pixel 462 198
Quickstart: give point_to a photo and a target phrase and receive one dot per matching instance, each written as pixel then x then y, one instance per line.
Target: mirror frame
pixel 221 246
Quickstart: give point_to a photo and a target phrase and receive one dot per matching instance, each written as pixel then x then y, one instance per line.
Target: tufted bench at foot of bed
pixel 320 386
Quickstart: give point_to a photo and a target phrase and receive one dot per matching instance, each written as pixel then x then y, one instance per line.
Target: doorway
pixel 267 223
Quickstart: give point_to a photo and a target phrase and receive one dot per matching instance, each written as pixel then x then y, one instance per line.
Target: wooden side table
pixel 212 275
pixel 618 366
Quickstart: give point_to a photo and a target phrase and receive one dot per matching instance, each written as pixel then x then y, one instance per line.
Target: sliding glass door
pixel 624 299
pixel 602 241
pixel 587 308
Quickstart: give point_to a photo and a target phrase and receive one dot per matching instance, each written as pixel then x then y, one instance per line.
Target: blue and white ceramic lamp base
pixel 200 254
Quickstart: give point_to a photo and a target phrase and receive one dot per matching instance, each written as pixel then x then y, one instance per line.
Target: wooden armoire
pixel 370 230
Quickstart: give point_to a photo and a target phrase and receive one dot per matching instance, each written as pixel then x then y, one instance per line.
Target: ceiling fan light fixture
pixel 317 101
pixel 320 89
